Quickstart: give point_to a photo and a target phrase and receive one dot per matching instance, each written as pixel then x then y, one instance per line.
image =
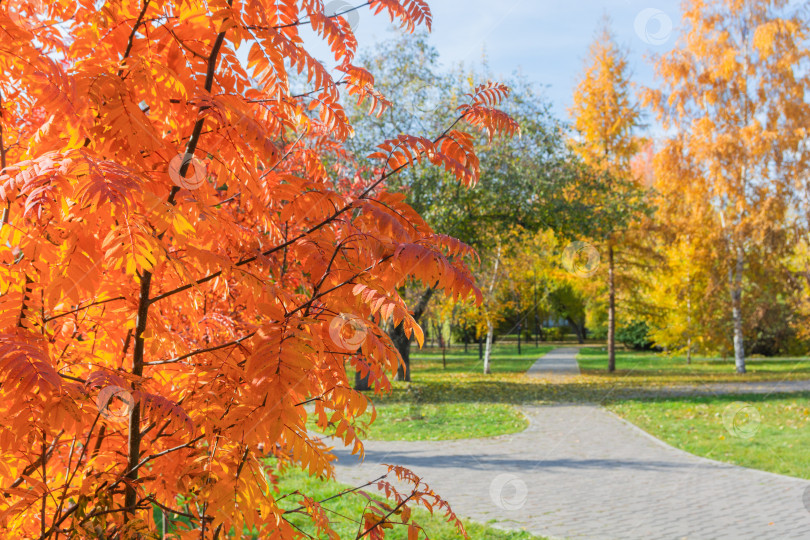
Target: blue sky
pixel 545 39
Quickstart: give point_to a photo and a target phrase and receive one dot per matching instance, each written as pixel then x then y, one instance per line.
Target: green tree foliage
pixel 527 182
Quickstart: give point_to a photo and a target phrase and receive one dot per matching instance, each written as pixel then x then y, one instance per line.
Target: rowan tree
pixel 734 90
pixel 186 263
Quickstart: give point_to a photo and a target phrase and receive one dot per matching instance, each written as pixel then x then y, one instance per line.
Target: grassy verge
pixel 427 364
pixel 441 421
pixel 770 433
pixel 346 510
pixel 451 398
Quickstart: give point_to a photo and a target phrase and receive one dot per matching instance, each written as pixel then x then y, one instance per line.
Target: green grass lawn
pixel 771 433
pixel 346 510
pixel 440 421
pixel 426 364
pixel 657 368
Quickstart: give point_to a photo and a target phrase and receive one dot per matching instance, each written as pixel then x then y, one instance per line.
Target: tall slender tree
pixel 734 90
pixel 606 117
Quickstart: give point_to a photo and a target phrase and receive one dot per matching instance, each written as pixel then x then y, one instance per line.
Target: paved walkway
pixel 581 472
pixel 557 363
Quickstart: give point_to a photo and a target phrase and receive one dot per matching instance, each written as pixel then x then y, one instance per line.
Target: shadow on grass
pixel 720 399
pixel 517 393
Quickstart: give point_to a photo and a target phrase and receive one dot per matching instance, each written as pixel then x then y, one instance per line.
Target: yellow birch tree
pixel 734 92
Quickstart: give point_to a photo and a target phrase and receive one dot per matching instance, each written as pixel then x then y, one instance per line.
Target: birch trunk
pixel 736 310
pixel 490 329
pixel 688 319
pixel 488 348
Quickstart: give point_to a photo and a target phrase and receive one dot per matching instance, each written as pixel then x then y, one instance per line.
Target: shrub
pixel 556 333
pixel 635 335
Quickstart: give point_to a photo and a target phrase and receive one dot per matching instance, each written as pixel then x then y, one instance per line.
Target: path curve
pixel 579 471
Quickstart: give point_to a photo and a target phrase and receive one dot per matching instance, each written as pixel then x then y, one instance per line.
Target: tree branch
pixel 201 351
pixel 53 317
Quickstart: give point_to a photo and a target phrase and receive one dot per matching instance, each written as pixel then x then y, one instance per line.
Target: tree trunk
pixel 403 342
pixel 578 330
pixel 360 382
pixel 611 337
pixel 134 431
pixel 536 318
pixel 490 329
pixel 689 320
pixel 488 350
pixel 443 345
pixel 403 345
pixel 736 311
pixel 519 331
